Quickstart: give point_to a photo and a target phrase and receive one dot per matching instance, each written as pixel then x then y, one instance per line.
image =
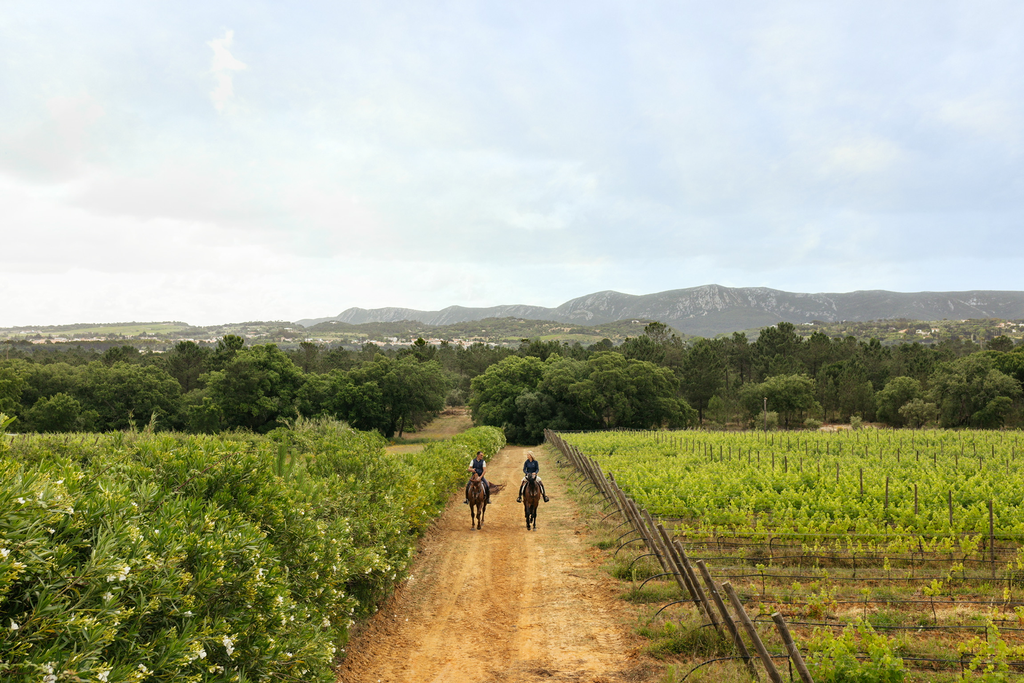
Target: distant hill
pixel 714 309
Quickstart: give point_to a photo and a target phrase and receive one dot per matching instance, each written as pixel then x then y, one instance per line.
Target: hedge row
pixel 141 557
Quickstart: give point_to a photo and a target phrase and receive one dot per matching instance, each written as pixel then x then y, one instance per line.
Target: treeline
pixel 203 389
pixel 778 380
pixel 652 380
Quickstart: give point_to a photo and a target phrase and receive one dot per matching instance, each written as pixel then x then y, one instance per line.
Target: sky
pixel 215 162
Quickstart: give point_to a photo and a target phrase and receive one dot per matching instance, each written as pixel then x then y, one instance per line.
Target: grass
pixel 685 637
pixel 446 425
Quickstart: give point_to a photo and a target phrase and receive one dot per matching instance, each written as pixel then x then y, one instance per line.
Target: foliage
pixel 791 396
pixel 256 389
pixel 834 659
pixel 898 392
pixel 969 391
pixel 828 483
pixel 131 557
pixel 525 395
pixel 990 657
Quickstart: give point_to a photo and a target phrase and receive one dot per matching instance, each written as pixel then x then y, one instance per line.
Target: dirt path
pixel 503 604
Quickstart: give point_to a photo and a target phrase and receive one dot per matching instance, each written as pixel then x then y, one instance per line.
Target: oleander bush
pixel 141 557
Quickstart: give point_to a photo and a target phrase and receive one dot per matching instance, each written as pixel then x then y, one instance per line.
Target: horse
pixel 477 496
pixel 531 499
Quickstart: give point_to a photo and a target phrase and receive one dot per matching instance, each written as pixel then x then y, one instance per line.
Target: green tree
pixel 1000 343
pixel 121 354
pixel 495 392
pixel 777 351
pixel 126 395
pixel 58 413
pixel 817 352
pixel 969 391
pixel 309 356
pixel 410 391
pixel 257 388
pixel 11 386
pixel 573 399
pixel 227 347
pixel 791 396
pixel 898 392
pixel 702 373
pixel 643 348
pixel 844 390
pixel 739 359
pixel 916 413
pixel 635 394
pixel 186 362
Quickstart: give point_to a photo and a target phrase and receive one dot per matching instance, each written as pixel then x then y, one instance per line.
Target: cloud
pixel 221 66
pixel 54 146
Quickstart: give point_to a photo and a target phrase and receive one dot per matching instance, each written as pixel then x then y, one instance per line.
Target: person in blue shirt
pixel 531 465
pixel 478 465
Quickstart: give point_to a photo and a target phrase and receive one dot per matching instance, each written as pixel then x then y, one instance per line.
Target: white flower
pixel 120 576
pixel 202 654
pixel 48 667
pixel 188 613
pixel 108 596
pixel 21 501
pixel 143 669
pixel 14 625
pixel 49 678
pixel 4 552
pixel 228 645
pixel 102 676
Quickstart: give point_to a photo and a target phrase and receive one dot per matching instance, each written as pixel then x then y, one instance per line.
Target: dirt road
pixel 503 604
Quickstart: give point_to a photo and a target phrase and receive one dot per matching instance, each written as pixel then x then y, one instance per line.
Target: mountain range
pixel 713 309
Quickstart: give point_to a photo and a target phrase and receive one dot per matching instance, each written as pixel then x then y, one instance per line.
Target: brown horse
pixel 477 496
pixel 531 499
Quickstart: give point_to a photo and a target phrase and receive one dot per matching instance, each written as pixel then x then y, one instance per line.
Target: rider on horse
pixel 478 465
pixel 529 466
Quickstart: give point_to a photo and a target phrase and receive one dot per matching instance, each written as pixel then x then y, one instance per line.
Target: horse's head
pixel 531 476
pixel 474 477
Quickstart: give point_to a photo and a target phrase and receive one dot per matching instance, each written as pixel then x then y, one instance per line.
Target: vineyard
pixel 911 539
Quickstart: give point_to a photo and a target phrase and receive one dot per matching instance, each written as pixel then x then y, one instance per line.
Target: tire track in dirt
pixel 502 604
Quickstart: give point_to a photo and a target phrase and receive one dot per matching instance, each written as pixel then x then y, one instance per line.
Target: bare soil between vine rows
pixel 503 604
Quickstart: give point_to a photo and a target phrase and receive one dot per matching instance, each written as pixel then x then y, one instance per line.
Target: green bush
pixel 130 557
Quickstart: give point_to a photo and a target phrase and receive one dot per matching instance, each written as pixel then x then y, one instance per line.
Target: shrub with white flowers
pixel 141 557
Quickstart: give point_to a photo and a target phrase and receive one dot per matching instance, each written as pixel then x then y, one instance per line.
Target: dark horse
pixel 477 500
pixel 531 499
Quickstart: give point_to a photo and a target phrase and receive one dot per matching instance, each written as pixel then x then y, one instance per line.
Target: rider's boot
pixel 520 498
pixel 544 493
pixel 466 502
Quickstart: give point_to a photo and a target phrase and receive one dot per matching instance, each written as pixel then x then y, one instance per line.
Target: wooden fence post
pixel 730 624
pixel 762 651
pixel 794 651
pixel 681 578
pixel 696 585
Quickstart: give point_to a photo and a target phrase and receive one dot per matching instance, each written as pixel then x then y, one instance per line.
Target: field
pixel 912 537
